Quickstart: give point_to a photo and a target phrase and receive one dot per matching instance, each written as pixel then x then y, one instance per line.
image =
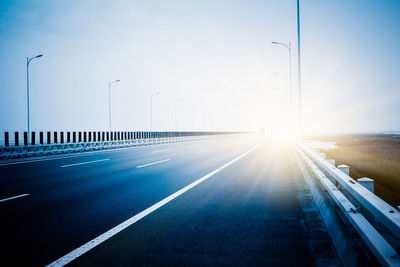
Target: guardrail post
pixel 73 137
pixel 345 169
pixel 367 183
pixel 33 141
pixel 6 139
pixel 68 137
pixel 16 139
pixel 55 138
pixel 84 137
pixel 89 137
pixel 25 138
pixel 48 138
pixel 62 137
pixel 80 137
pixel 41 138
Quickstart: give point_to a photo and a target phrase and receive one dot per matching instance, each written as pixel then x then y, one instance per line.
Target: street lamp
pixel 28 60
pixel 299 70
pixel 176 117
pixel 109 101
pixel 151 109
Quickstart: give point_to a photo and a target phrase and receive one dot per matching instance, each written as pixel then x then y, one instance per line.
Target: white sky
pixel 215 55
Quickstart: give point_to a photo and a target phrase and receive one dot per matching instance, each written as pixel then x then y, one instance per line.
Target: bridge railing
pixel 50 143
pixel 61 137
pixel 382 211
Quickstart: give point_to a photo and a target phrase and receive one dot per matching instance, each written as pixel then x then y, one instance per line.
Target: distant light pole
pixel 109 100
pixel 299 68
pixel 176 117
pixel 289 47
pixel 193 108
pixel 28 60
pixel 151 109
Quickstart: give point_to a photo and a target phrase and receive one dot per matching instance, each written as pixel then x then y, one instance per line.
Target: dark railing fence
pixel 93 136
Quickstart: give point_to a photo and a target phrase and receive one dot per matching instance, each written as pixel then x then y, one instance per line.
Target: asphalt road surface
pixel 217 201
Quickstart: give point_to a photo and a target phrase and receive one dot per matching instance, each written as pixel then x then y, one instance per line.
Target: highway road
pixel 216 201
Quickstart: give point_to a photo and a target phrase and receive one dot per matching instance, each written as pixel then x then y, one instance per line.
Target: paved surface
pixel 247 213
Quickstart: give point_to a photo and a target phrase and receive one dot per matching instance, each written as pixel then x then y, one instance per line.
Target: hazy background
pixel 215 55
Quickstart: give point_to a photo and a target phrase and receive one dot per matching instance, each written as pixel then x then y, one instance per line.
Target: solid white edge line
pixel 14 197
pixel 82 163
pixel 152 163
pixel 110 233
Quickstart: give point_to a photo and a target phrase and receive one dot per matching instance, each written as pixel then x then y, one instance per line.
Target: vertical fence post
pixel 55 138
pixel 6 139
pixel 80 137
pixel 68 137
pixel 25 138
pixel 62 137
pixel 48 138
pixel 89 136
pixel 41 139
pixel 33 141
pixel 16 139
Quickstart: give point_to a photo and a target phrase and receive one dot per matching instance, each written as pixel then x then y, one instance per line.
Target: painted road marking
pixel 152 163
pixel 9 198
pixel 158 151
pixel 110 233
pixel 82 163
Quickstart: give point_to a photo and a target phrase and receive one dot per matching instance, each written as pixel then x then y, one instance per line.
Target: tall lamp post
pixel 109 101
pixel 299 69
pixel 28 60
pixel 151 109
pixel 176 116
pixel 289 48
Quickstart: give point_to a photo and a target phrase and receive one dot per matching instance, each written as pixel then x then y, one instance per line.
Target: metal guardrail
pixel 52 143
pixel 47 138
pixel 382 211
pixel 54 149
